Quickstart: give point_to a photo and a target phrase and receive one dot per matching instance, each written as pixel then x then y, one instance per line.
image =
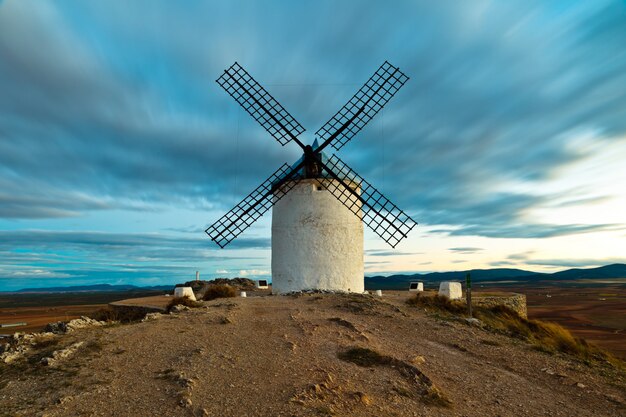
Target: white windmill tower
pixel 320 204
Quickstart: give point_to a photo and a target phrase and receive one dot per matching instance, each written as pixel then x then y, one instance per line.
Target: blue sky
pixel 117 147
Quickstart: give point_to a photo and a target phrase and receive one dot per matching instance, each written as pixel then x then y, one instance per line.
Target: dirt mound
pixel 311 355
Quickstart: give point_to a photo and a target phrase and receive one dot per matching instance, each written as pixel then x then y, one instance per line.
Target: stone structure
pixel 451 290
pixel 317 242
pixel 184 292
pixel 416 287
pixel 516 302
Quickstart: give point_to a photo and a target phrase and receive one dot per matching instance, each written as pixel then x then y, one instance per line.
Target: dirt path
pixel 278 356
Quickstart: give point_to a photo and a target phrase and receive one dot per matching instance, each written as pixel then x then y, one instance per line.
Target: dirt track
pixel 273 356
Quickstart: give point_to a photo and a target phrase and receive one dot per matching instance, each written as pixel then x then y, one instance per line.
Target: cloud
pixel 575 263
pixel 465 250
pixel 93 257
pixel 529 230
pixel 96 121
pixel 387 252
pixel 254 273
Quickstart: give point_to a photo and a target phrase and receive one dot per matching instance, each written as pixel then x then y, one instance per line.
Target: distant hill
pixel 497 276
pixel 401 281
pixel 93 288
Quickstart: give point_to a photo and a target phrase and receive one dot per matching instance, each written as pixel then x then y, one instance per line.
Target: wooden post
pixel 468 293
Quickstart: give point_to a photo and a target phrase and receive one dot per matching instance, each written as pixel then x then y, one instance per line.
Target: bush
pixel 185 301
pixel 437 302
pixel 120 314
pixel 219 291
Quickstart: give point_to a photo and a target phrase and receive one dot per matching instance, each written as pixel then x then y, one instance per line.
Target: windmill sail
pixel 362 107
pixel 260 104
pixel 380 214
pixel 365 201
pixel 259 201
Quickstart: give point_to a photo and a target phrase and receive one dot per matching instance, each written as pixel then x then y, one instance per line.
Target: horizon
pixel 373 275
pixel 117 147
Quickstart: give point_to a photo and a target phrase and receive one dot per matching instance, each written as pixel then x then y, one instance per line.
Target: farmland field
pixel 595 313
pixel 39 309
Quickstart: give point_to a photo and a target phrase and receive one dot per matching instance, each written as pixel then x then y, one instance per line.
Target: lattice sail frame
pixel 375 210
pixel 260 104
pixel 256 204
pixel 382 216
pixel 365 104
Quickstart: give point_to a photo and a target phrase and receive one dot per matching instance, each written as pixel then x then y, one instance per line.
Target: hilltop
pixel 501 276
pixel 307 355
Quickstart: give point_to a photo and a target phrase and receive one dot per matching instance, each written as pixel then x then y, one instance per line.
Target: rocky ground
pixel 308 355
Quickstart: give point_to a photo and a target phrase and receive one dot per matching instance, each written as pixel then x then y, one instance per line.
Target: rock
pixel 21 343
pixel 581 385
pixel 364 398
pixel 474 322
pixel 178 308
pixel 418 360
pixel 185 402
pixel 152 316
pixel 59 355
pixel 61 327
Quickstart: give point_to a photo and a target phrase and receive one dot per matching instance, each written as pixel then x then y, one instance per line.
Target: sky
pixel 117 147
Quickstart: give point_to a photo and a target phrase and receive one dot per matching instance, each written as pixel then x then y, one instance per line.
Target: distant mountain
pixel 607 271
pixel 497 275
pixel 94 288
pixel 401 281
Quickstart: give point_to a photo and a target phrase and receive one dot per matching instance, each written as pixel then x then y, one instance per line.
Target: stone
pixel 418 360
pixel 152 316
pixel 416 287
pixel 61 327
pixel 474 322
pixel 184 292
pixel 451 290
pixel 179 308
pixel 59 355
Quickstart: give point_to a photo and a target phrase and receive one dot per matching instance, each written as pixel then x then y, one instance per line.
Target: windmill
pixel 320 204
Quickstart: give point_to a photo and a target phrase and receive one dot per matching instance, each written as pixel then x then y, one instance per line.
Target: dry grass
pixel 185 301
pixel 545 336
pixel 437 303
pixel 213 292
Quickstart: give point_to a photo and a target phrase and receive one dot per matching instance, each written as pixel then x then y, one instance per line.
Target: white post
pixel 243 294
pixel 197 276
pixel 379 293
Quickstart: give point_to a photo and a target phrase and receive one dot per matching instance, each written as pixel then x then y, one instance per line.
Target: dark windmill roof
pixel 341 174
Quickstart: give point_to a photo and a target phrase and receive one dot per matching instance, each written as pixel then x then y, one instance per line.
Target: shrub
pixel 119 314
pixel 219 291
pixel 185 301
pixel 545 336
pixel 437 302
